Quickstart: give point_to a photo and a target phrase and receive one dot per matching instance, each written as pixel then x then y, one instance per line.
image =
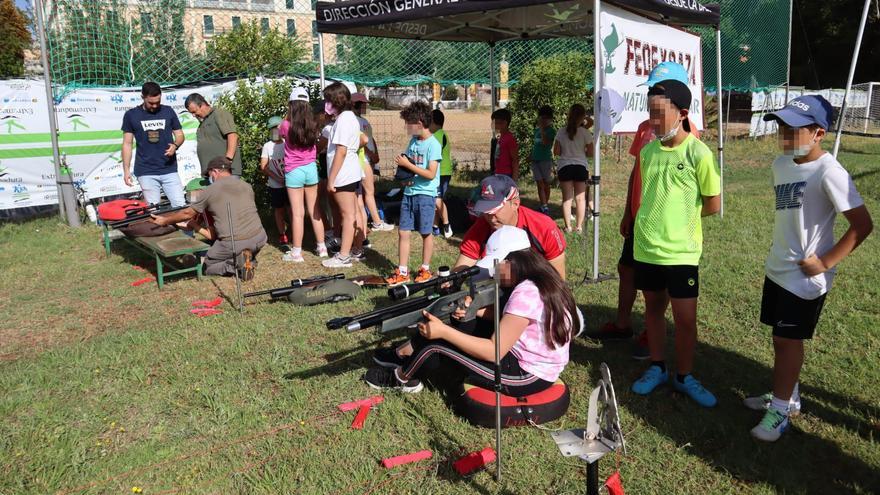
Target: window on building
pixel 208 24
pixel 236 21
pixel 314 4
pixel 146 23
pixel 314 28
pixel 316 52
pixel 288 4
pixel 291 28
pixel 264 25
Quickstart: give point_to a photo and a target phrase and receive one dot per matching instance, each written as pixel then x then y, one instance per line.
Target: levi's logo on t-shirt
pixel 790 196
pixel 153 125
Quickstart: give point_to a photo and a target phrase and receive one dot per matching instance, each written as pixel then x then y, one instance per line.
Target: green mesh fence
pixel 111 43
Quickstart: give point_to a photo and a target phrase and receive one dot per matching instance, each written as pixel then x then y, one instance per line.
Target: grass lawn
pixel 109 388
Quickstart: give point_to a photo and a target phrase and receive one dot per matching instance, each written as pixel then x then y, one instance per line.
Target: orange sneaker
pixel 397 278
pixel 423 275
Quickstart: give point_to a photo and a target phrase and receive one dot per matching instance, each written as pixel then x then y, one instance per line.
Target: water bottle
pixel 92 214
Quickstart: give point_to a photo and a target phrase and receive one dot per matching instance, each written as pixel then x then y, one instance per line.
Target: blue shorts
pixel 444 186
pixel 417 213
pixel 302 176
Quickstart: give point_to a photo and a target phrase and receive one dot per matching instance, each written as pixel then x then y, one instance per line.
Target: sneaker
pixel 246 265
pixel 322 252
pixel 379 377
pixel 387 357
pixel 609 331
pixel 771 426
pixel 296 258
pixel 337 261
pixel 383 227
pixel 762 403
pixel 423 275
pixel 282 239
pixel 358 255
pixel 640 350
pixel 367 244
pixel 694 389
pixel 545 210
pixel 652 378
pixel 436 230
pixel 396 278
pixel 333 244
pixel 447 231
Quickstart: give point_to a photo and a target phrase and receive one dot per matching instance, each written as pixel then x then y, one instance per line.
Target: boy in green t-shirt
pixel 446 169
pixel 542 155
pixel 680 184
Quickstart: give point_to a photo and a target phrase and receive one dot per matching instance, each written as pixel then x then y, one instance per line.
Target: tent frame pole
pixel 597 136
pixel 321 59
pixel 720 116
pixel 849 79
pixel 492 76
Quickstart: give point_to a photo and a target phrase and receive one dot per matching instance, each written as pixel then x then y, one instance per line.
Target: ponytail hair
pixel 576 115
pixel 303 131
pixel 559 307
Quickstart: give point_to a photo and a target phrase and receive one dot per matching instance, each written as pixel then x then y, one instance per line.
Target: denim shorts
pixel 417 213
pixel 302 176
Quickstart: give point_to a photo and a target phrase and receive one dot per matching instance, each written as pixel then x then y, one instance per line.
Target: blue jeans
pixel 154 185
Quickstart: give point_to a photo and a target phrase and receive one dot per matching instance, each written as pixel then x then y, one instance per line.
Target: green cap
pixel 275 121
pixel 196 184
pixel 328 292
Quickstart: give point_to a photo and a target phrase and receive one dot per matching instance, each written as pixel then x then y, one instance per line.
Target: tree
pixel 14 39
pixel 558 81
pixel 161 52
pixel 246 50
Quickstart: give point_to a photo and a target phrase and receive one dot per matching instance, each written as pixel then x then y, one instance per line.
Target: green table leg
pixel 106 240
pixel 160 271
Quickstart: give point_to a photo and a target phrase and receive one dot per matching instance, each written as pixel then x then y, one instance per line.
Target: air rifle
pixel 294 285
pixel 408 312
pixel 136 215
pixel 443 284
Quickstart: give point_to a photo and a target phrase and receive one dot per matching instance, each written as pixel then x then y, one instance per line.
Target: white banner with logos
pixel 764 102
pixel 631 46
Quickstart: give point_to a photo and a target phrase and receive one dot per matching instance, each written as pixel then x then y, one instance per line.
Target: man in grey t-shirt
pixel 217 134
pixel 250 236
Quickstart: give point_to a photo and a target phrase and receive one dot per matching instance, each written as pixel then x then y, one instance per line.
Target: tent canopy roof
pixel 491 20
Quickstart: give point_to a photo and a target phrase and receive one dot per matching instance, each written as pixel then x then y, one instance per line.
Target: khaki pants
pixel 220 259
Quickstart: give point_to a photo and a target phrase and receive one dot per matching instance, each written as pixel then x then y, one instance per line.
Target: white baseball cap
pixel 502 242
pixel 299 93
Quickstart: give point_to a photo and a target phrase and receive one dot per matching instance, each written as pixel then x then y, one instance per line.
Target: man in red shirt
pixel 499 205
pixel 506 149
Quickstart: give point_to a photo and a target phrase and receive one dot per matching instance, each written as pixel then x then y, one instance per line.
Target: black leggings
pixel 432 356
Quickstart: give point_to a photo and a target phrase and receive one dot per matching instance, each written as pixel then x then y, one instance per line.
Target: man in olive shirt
pixel 250 236
pixel 217 134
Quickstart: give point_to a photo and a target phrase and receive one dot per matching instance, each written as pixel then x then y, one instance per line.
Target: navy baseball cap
pixel 494 190
pixel 803 111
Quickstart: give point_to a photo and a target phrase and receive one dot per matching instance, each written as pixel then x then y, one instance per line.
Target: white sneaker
pixel 447 231
pixel 296 258
pixel 762 403
pixel 337 262
pixel 772 426
pixel 383 227
pixel 322 252
pixel 358 255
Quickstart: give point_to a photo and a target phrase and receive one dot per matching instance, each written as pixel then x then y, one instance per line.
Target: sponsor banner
pixel 633 45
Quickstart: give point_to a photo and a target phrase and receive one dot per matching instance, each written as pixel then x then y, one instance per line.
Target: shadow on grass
pixel 799 462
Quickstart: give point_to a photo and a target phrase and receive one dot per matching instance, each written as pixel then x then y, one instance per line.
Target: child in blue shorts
pixel 422 158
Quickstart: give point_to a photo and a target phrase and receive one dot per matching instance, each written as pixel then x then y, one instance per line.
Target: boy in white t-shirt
pixel 811 188
pixel 272 166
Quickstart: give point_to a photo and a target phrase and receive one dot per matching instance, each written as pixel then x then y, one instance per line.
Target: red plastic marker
pixel 212 303
pixel 203 312
pixel 358 423
pixel 351 406
pixel 406 459
pixel 614 484
pixel 143 281
pixel 474 461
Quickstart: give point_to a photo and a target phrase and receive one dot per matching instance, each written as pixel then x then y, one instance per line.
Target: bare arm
pixel 559 264
pixel 627 219
pixel 557 149
pixel 711 205
pixel 463 262
pixel 860 226
pixel 183 215
pixel 231 144
pixel 545 136
pixel 127 139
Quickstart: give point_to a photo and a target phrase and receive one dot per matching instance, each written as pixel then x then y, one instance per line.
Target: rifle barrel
pixel 295 284
pixel 404 291
pixel 366 320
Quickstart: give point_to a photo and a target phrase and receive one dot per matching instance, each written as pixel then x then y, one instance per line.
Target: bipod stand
pixel 602 435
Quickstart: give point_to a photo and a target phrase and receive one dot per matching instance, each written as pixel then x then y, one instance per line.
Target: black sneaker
pixel 387 357
pixel 379 378
pixel 367 244
pixel 246 266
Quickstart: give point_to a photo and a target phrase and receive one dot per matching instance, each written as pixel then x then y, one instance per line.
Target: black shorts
pixel 278 197
pixel 790 316
pixel 322 166
pixel 353 187
pixel 680 281
pixel 626 255
pixel 576 173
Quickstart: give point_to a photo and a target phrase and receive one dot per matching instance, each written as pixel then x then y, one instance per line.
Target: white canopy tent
pixel 494 21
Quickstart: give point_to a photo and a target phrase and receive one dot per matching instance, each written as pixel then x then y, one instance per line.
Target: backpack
pixel 120 209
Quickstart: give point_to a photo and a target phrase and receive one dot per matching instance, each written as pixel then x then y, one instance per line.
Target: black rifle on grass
pixel 408 312
pixel 294 285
